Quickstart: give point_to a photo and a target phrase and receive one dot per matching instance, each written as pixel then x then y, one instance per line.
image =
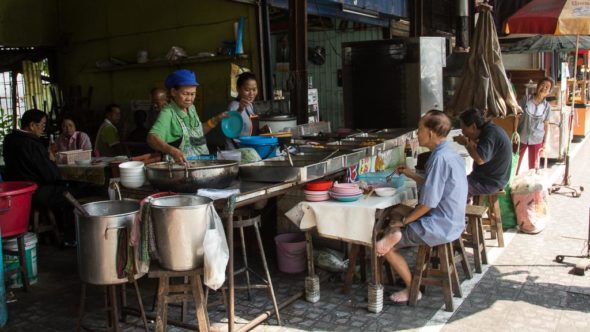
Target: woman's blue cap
pixel 181 77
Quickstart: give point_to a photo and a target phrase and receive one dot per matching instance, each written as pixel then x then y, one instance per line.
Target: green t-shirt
pixel 107 137
pixel 167 127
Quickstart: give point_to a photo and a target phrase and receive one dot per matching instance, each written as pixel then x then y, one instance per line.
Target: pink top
pixel 78 141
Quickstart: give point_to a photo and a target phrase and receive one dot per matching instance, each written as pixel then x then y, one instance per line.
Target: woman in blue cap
pixel 178 132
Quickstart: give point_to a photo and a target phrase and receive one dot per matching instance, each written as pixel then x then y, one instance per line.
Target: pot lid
pixel 278 117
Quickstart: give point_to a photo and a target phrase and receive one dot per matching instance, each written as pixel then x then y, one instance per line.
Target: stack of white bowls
pixel 132 174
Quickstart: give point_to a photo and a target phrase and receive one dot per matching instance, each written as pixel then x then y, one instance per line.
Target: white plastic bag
pixel 216 251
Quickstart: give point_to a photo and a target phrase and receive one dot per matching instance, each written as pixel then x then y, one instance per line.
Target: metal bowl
pixel 195 174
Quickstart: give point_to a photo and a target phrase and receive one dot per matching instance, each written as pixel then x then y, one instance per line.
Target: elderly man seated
pixel 27 158
pixel 439 216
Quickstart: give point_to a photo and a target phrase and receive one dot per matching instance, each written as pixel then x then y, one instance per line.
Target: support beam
pixel 416 11
pixel 298 59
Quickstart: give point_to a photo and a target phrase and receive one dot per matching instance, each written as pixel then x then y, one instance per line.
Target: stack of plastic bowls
pixel 317 191
pixel 346 192
pixel 132 174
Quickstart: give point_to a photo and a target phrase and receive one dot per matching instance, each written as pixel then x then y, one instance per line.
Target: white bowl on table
pixel 385 191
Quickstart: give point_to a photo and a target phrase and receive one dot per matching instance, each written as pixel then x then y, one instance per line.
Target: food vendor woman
pixel 178 132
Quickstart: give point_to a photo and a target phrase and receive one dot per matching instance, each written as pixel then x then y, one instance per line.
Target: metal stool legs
pixel 243 219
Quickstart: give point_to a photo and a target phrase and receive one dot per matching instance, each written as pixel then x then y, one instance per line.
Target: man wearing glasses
pixel 27 158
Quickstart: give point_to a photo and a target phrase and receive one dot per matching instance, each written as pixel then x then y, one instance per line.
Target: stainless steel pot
pixel 97 240
pixel 277 123
pixel 192 176
pixel 180 222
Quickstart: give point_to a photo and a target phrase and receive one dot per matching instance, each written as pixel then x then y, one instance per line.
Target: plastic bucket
pixel 12 263
pixel 15 206
pixel 265 146
pixel 291 255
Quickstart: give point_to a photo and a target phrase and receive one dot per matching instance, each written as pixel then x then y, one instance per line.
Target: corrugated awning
pixel 377 12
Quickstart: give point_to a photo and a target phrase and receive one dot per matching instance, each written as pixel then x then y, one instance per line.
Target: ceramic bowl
pixel 385 191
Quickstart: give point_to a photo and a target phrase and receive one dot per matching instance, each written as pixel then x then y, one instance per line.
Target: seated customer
pixel 108 142
pixel 491 150
pixel 28 159
pixel 439 216
pixel 70 139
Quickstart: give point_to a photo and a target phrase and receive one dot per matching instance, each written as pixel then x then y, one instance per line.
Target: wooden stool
pixel 461 256
pixel 242 218
pixel 22 259
pixel 44 221
pixel 494 220
pixel 179 293
pixel 435 266
pixel 475 238
pixel 112 307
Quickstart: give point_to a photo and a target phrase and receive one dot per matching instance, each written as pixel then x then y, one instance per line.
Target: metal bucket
pixel 180 222
pixel 97 240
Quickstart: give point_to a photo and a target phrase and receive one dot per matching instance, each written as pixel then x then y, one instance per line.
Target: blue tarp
pixel 387 9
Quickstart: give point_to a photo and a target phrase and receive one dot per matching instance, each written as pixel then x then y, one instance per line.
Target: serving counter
pixel 291 176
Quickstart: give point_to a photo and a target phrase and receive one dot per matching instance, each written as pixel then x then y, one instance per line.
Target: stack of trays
pixel 346 192
pixel 317 191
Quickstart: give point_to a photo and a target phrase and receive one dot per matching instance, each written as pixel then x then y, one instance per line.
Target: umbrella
pixel 555 17
pixel 547 43
pixel 484 83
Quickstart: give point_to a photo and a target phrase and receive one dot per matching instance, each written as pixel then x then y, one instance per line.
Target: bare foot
pixel 387 242
pixel 403 296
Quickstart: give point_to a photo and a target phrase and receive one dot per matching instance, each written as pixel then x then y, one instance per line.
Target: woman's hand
pixel 243 105
pixel 177 155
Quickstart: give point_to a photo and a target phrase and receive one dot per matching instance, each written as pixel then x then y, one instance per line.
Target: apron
pixel 193 141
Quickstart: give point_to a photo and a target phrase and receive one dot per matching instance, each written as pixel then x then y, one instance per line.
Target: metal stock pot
pixel 195 174
pixel 98 240
pixel 180 222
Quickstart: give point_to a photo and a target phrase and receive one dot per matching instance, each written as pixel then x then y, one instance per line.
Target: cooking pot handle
pixel 6 209
pixel 110 228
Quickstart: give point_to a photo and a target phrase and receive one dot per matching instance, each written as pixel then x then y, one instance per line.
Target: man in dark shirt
pixel 28 159
pixel 491 150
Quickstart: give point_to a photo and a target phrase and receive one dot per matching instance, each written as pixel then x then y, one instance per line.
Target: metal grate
pixel 6 102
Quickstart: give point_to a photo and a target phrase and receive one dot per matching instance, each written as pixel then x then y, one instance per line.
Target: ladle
pixel 76 204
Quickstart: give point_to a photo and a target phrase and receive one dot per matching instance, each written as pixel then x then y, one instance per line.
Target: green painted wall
pixel 325 76
pixel 28 22
pixel 97 30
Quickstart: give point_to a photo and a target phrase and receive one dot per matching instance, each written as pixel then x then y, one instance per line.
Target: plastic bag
pixel 330 260
pixel 529 195
pixel 216 251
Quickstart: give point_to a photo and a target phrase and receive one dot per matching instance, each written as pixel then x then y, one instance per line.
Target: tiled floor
pixel 524 289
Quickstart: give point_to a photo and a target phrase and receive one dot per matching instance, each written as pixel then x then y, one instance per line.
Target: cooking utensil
pixel 232 125
pixel 98 240
pixel 191 176
pixel 330 155
pixel 180 222
pixel 76 204
pixel 370 193
pixel 390 176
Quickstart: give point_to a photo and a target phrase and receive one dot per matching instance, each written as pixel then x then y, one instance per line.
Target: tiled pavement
pixel 524 289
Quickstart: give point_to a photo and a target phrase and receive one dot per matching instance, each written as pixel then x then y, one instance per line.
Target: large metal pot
pixel 277 123
pixel 192 176
pixel 180 222
pixel 97 240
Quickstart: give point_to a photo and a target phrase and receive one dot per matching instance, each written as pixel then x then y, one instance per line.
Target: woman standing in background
pixel 534 122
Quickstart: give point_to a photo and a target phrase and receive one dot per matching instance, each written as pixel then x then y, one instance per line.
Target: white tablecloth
pixel 352 221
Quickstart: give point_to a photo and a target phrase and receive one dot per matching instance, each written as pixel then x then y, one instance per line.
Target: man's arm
pixel 471 148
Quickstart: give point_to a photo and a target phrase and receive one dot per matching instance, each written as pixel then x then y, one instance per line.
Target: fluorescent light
pixel 359 11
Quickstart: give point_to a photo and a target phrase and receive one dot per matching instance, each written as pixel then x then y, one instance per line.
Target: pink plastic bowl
pixel 317 198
